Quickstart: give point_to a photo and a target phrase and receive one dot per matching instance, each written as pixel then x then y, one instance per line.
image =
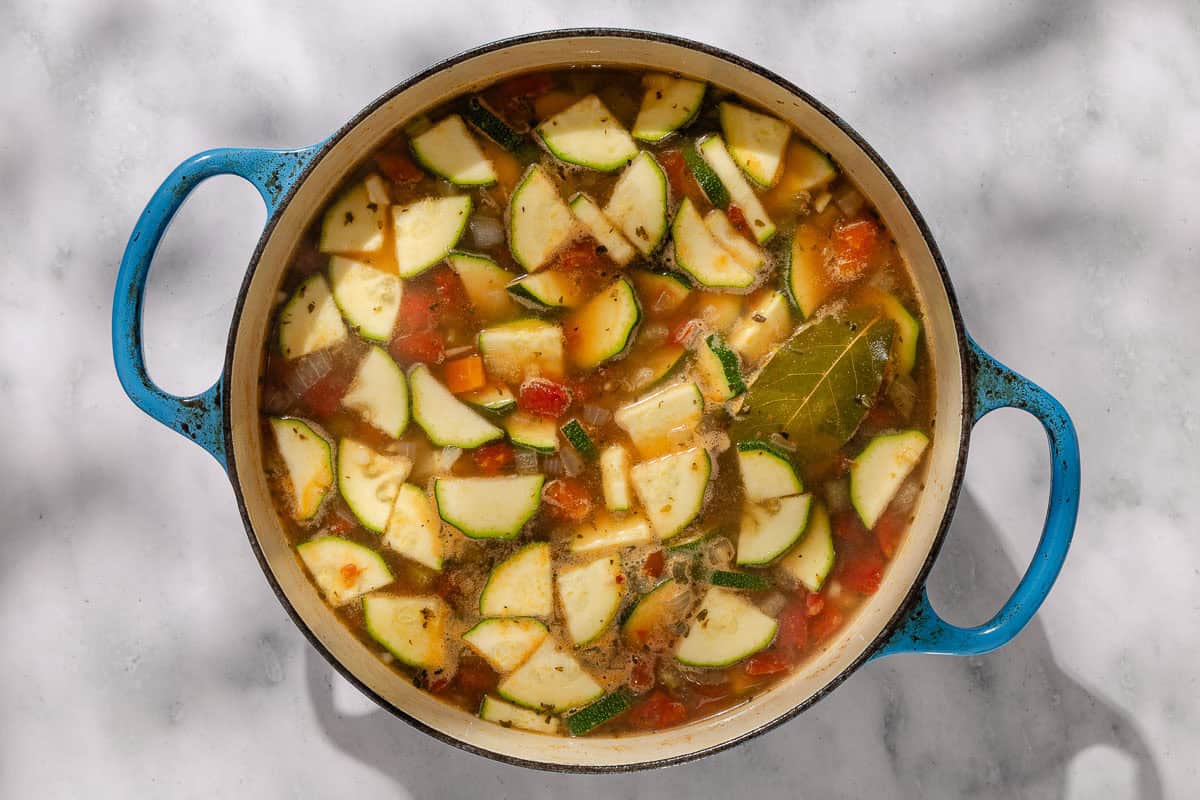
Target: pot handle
pixel 993 386
pixel 199 417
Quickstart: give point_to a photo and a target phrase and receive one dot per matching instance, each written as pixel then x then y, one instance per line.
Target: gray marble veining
pixel 1051 146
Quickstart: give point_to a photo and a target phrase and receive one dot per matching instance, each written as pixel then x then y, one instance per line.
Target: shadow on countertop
pixel 1003 725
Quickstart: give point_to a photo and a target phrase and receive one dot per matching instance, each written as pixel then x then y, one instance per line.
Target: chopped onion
pixel 837 495
pixel 905 498
pixel 662 302
pixel 821 201
pixel 655 333
pixel 720 552
pixel 455 352
pixel 782 442
pixel 305 373
pixel 596 416
pixel 553 466
pixel 772 604
pixel 486 231
pixel 903 394
pixel 277 400
pixel 642 377
pixel 405 448
pixel 849 200
pixel 526 462
pixel 447 457
pixel 716 441
pixel 571 461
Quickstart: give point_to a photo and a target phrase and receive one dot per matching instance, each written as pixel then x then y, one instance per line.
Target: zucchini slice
pixel 660 292
pixel 739 580
pixel 668 105
pixel 908 329
pixel 489 508
pixel 368 298
pixel 757 141
pixel 539 222
pixel 807 168
pixel 446 420
pixel 413 629
pixel 767 472
pixel 664 419
pixel 493 709
pixel 532 432
pixel 377 190
pixel 521 585
pixel 766 325
pixel 804 276
pixel 492 125
pixel 379 393
pixel 575 434
pixel 310 321
pixel 590 596
pixel 770 531
pixel 550 681
pixel 604 327
pixel 369 482
pixel 496 398
pixel 706 179
pixel 588 134
pixel 671 489
pixel 614 477
pixel 638 203
pixel 719 370
pixel 343 569
pixel 648 621
pixel 701 256
pixel 725 629
pixel 880 469
pixel 449 151
pixel 661 364
pixel 523 349
pixel 505 642
pixel 484 282
pixel 414 529
pixel 308 459
pixel 602 229
pixel 811 560
pixel 720 311
pixel 427 230
pixel 745 252
pixel 546 291
pixel 353 224
pixel 606 708
pixel 712 149
pixel 610 533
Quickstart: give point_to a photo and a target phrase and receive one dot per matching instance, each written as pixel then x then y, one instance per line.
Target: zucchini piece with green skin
pixel 739 580
pixel 701 256
pixel 496 398
pixel 604 327
pixel 427 230
pixel 414 529
pixel 484 282
pixel 522 349
pixel 378 393
pixel 706 179
pixel 343 570
pixel 492 125
pixel 446 420
pixel 589 135
pixel 489 508
pixel 908 329
pixel 668 105
pixel 590 596
pixel 694 541
pixel 539 222
pixel 757 141
pixel 547 291
pixel 804 275
pixel 507 715
pixel 368 298
pixel 660 292
pixel 308 459
pixel 607 708
pixel 532 432
pixel 505 642
pixel 880 469
pixel 610 533
pixel 602 229
pixel 768 532
pixel 662 363
pixel 353 223
pixel 310 321
pixel 550 681
pixel 638 203
pixel 725 629
pixel 671 489
pixel 719 370
pixel 649 619
pixel 574 432
pixel 767 324
pixel 745 252
pixel 662 420
pixel 767 472
pixel 614 477
pixel 521 585
pixel 810 561
pixel 369 482
pixel 447 150
pixel 712 149
pixel 807 168
pixel 720 311
pixel 412 628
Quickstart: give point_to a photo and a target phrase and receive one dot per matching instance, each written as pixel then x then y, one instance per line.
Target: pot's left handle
pixel 199 417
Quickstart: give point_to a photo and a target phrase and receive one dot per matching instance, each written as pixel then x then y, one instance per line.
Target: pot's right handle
pixel 198 417
pixel 993 386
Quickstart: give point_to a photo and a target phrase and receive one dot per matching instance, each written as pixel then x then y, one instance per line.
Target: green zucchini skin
pixel 606 708
pixel 574 433
pixel 489 123
pixel 708 181
pixel 739 580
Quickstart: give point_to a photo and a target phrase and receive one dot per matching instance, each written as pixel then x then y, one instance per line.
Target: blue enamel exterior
pixel 198 417
pixel 993 386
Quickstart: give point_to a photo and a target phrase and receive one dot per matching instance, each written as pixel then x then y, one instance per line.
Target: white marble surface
pixel 1052 147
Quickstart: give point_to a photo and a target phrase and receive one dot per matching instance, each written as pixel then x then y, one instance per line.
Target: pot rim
pixel 909 600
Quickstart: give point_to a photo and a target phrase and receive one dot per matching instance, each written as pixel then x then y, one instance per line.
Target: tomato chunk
pixel 676 169
pixel 641 676
pixel 568 499
pixel 684 331
pixel 581 255
pixel 737 218
pixel 658 710
pixel 424 347
pixel 543 397
pixel 529 85
pixel 888 532
pixel 825 623
pixel 768 662
pixel 851 247
pixel 465 374
pixel 653 565
pixel 449 288
pixel 418 309
pixel 474 676
pixel 324 396
pixel 398 167
pixel 793 627
pixel 862 571
pixel 814 604
pixel 494 457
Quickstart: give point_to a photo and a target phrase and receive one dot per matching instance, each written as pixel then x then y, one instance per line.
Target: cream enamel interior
pixel 252 328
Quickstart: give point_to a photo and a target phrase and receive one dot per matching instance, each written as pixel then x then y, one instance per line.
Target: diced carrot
pixel 494 457
pixel 851 246
pixel 450 292
pixel 768 662
pixel 465 374
pixel 399 167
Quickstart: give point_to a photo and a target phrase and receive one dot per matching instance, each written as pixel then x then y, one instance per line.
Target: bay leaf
pixel 818 386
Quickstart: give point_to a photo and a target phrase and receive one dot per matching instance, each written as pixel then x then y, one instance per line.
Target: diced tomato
pixel 584 389
pixel 657 711
pixel 768 662
pixel 825 623
pixel 437 685
pixel 450 291
pixel 738 219
pixel 851 246
pixel 653 565
pixel 676 169
pixel 543 397
pixel 793 626
pixel 847 526
pixel 568 499
pixel 324 396
pixel 684 331
pixel 888 532
pixel 339 525
pixel 861 571
pixel 474 676
pixel 418 308
pixel 425 347
pixel 814 604
pixel 399 167
pixel 494 457
pixel 465 374
pixel 581 255
pixel 641 676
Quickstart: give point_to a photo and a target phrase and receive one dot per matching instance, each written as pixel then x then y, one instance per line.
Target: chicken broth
pixel 596 401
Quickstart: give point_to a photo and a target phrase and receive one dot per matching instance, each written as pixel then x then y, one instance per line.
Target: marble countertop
pixel 1051 146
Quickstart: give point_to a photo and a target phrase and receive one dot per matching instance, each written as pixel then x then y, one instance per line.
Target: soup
pixel 596 401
